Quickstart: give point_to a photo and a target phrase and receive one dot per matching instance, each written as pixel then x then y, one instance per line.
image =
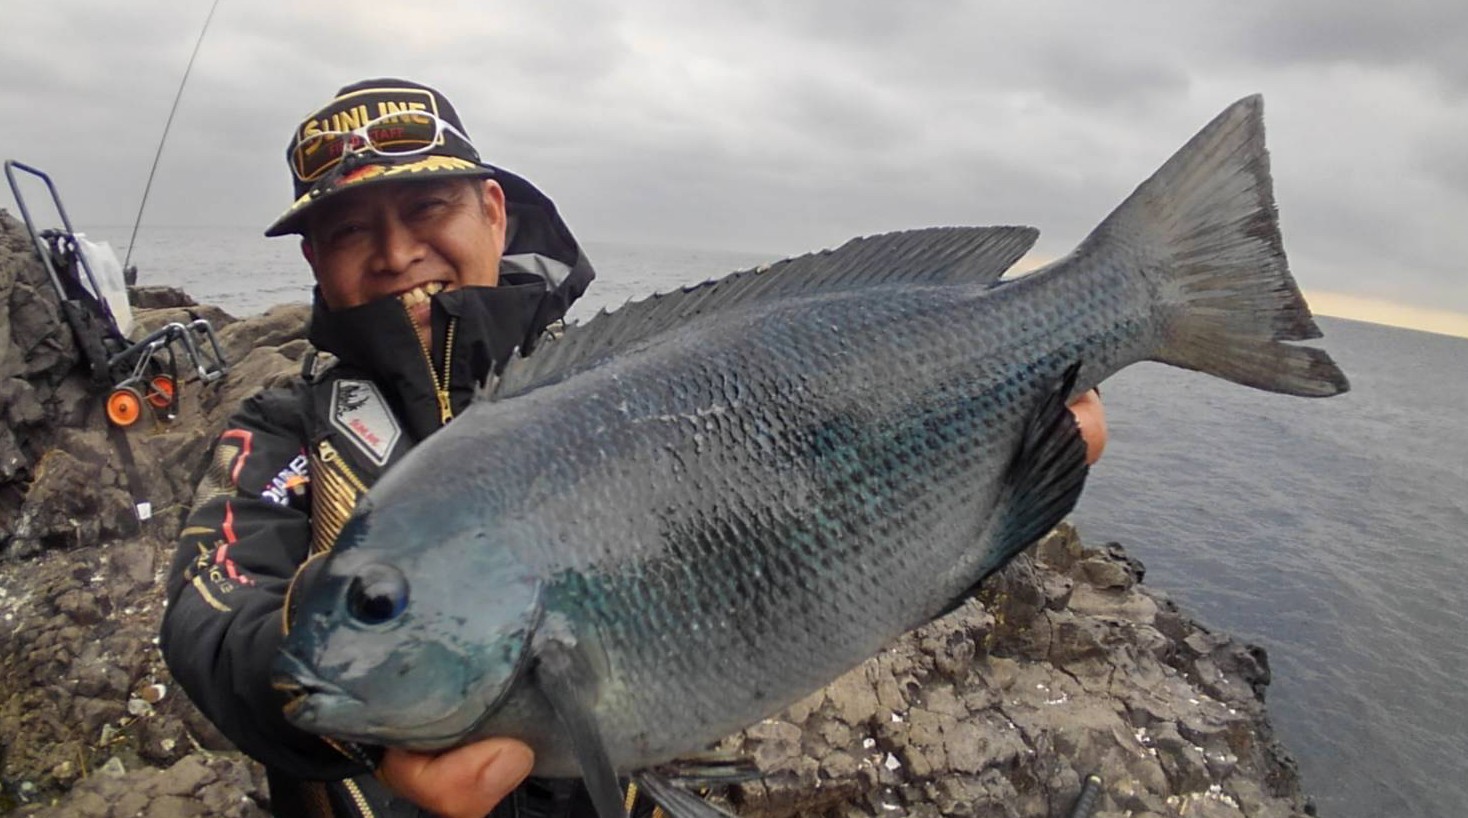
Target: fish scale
pixel 817 538
pixel 692 512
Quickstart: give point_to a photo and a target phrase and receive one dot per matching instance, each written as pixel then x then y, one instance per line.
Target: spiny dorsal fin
pixel 935 255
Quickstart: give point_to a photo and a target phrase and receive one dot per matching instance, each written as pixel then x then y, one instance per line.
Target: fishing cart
pixel 92 287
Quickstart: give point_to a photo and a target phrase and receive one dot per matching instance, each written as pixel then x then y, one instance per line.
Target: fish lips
pixel 318 706
pixel 311 701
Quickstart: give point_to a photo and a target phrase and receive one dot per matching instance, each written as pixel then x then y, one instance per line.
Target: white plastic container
pixel 108 271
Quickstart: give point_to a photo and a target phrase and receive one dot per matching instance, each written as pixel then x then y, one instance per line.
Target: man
pixel 432 267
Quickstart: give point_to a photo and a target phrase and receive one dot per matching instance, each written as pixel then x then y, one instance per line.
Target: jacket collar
pixel 378 340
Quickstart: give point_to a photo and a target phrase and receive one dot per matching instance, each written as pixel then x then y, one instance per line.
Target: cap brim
pixel 329 186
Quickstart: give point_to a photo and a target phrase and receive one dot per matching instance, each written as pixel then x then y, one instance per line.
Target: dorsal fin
pixel 935 255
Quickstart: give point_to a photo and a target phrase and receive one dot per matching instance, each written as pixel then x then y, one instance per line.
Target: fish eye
pixel 378 594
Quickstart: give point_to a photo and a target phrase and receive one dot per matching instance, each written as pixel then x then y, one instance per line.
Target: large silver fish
pixel 690 513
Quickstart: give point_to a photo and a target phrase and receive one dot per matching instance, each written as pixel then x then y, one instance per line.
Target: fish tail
pixel 1207 230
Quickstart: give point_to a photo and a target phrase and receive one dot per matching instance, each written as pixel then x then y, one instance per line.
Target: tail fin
pixel 1206 226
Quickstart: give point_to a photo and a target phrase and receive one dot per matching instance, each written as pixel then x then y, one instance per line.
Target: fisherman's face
pixel 408 240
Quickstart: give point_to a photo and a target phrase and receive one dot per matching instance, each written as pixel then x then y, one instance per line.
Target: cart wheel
pixel 124 406
pixel 160 393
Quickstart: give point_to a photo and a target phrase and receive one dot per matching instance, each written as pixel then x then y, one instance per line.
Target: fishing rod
pixel 163 139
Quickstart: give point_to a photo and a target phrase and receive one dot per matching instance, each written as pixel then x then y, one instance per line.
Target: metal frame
pixel 114 358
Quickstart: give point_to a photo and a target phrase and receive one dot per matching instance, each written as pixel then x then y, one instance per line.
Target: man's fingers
pixel 466 782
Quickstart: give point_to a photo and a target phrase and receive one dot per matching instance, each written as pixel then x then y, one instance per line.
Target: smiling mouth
pixel 420 294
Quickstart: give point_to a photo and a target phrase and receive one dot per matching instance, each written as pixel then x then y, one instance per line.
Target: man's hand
pixel 1092 419
pixel 466 782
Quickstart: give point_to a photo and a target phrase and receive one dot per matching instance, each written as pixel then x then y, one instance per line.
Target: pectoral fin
pixel 1046 478
pixel 1042 486
pixel 564 679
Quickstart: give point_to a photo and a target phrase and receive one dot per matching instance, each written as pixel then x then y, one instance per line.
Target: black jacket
pixel 289 467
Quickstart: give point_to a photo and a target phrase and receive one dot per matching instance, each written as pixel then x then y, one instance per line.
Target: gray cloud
pixel 1442 161
pixel 1425 35
pixel 782 126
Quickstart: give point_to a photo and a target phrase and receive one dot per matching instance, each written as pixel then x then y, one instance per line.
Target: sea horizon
pixel 1363 308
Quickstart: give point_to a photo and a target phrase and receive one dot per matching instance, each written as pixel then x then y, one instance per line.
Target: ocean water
pixel 1332 532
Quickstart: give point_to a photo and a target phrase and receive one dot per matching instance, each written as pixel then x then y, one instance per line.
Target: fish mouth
pixel 306 693
pixel 317 705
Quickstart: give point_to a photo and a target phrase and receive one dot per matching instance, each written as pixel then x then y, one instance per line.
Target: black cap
pixel 315 152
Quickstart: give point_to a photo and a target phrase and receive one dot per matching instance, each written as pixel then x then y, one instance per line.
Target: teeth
pixel 420 294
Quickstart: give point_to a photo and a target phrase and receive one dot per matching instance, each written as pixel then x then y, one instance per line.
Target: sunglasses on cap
pixel 402 133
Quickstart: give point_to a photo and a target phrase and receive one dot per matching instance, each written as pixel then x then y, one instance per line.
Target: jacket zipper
pixel 446 409
pixel 358 797
pixel 354 790
pixel 335 491
pixel 330 455
pixel 440 382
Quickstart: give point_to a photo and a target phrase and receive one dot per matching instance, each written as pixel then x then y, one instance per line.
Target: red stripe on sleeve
pixel 244 436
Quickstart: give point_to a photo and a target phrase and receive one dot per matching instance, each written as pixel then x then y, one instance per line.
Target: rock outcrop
pixel 1064 665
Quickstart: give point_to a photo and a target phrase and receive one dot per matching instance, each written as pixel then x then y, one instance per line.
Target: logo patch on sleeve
pixel 291 481
pixel 359 412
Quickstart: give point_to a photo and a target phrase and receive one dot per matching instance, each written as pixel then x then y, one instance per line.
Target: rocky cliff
pixel 1064 666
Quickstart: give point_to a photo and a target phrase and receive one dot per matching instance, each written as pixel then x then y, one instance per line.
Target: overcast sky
pixel 781 126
